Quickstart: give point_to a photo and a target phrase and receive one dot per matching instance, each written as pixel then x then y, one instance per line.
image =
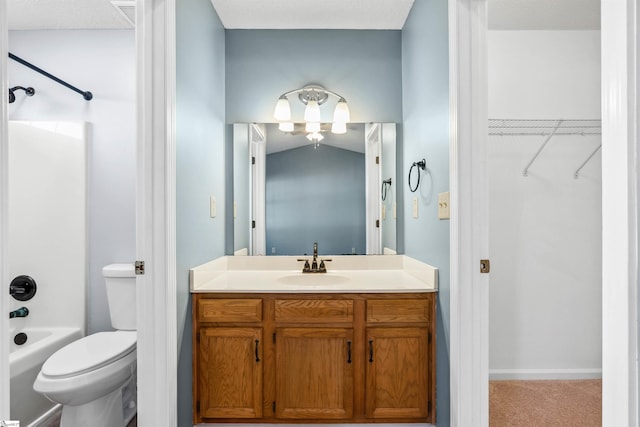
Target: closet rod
pixel 577 172
pixel 85 94
pixel 525 172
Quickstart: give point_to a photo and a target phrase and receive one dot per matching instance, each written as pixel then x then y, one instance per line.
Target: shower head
pixel 29 91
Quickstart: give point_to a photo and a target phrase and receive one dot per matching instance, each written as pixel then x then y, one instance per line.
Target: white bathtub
pixel 25 362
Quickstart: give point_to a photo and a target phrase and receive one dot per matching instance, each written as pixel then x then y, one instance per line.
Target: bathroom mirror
pixel 290 191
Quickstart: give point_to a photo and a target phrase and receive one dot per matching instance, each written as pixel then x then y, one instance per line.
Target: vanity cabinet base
pixel 314 358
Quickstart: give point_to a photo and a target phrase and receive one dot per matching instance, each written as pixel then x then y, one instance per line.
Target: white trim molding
pixel 4 223
pixel 155 213
pixel 620 80
pixel 469 214
pixel 545 374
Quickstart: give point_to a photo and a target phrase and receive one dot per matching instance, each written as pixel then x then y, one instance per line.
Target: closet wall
pixel 545 292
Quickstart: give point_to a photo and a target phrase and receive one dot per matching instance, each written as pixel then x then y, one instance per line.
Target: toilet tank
pixel 120 280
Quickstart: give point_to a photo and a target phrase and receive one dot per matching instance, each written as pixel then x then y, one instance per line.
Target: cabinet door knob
pixel 370 351
pixel 348 351
pixel 257 358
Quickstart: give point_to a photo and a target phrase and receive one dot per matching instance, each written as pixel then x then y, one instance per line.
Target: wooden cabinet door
pixel 397 372
pixel 314 373
pixel 230 368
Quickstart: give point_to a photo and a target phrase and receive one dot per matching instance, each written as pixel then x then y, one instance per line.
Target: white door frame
pixel 156 212
pixel 258 149
pixel 469 328
pixel 373 217
pixel 4 223
pixel 620 80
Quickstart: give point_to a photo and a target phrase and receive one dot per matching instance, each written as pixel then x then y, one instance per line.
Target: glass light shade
pixel 341 114
pixel 286 126
pixel 315 135
pixel 312 127
pixel 339 128
pixel 282 113
pixel 312 111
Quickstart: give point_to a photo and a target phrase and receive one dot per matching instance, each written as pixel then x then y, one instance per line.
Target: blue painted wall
pixel 315 195
pixel 200 164
pixel 425 103
pixel 362 66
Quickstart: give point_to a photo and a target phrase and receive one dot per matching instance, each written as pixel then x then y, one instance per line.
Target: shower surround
pixel 48 242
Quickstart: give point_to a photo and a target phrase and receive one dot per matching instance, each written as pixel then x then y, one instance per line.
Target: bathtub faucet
pixel 21 312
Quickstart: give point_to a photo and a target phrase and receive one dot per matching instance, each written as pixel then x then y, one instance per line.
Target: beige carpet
pixel 545 403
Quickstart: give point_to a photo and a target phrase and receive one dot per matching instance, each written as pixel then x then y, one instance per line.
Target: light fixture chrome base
pixel 313 93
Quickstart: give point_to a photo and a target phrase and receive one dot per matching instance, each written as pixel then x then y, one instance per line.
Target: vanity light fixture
pixel 315 139
pixel 286 126
pixel 312 96
pixel 338 128
pixel 315 135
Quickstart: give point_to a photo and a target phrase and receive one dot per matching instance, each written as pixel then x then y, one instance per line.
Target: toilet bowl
pixel 87 375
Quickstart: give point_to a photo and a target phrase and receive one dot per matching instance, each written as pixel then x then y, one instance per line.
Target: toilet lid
pixel 90 353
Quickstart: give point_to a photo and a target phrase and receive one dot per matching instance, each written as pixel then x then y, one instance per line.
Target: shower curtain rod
pixel 85 94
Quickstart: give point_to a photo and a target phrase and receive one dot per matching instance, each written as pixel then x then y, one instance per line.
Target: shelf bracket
pixel 525 172
pixel 577 172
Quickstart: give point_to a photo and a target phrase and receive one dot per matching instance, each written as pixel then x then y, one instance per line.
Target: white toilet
pixel 87 376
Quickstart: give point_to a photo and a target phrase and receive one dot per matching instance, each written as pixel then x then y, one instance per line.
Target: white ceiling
pixel 344 14
pixel 64 14
pixel 256 14
pixel 544 14
pixel 313 14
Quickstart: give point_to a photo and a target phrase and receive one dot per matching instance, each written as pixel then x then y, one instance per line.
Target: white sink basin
pixel 313 279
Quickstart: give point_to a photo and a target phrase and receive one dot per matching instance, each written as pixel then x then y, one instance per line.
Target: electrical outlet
pixel 384 212
pixel 415 207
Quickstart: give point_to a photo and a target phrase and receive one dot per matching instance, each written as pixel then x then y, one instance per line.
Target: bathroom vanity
pixel 275 345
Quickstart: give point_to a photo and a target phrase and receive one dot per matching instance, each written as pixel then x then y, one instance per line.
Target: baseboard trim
pixel 544 374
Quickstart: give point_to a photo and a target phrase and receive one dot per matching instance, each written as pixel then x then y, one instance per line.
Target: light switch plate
pixel 384 212
pixel 443 205
pixel 212 206
pixel 415 207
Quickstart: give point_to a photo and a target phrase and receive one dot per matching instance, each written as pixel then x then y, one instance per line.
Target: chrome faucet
pixel 314 267
pixel 21 312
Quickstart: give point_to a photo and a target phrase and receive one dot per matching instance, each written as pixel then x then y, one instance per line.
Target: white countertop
pixel 345 274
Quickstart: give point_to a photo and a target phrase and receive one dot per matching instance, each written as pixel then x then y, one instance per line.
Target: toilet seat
pixel 89 353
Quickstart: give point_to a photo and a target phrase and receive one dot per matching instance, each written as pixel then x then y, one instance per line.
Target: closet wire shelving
pixel 548 129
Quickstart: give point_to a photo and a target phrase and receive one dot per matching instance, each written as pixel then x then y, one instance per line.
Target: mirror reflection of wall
pixel 305 192
pixel 315 193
